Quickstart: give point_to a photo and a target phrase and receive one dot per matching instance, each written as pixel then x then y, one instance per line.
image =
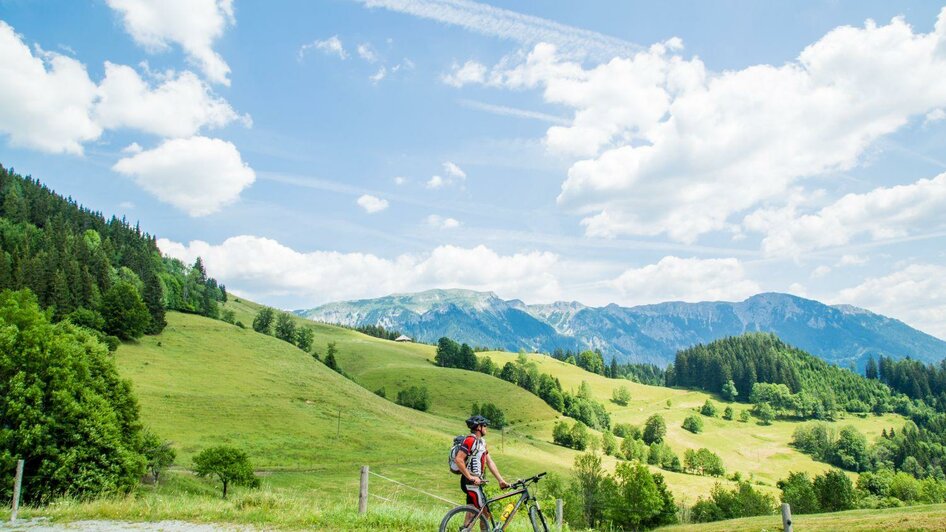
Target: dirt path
pixel 43 525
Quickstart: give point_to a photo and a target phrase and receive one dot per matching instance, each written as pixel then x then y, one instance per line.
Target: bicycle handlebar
pixel 530 480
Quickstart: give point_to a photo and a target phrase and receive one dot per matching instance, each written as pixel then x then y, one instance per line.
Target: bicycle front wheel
pixel 538 520
pixel 464 519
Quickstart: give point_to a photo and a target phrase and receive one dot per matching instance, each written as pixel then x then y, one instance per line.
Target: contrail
pixel 503 23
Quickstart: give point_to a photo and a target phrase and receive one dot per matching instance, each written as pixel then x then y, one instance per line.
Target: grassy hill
pixel 308 429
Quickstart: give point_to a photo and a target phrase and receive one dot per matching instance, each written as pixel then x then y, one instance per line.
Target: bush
pixel 703 462
pixel 626 430
pixel 609 444
pixel 744 416
pixel 621 395
pixel 634 449
pixel 158 453
pixel 835 491
pixel 744 501
pixel 764 412
pixel 799 491
pixel 380 392
pixel 125 314
pixel 496 417
pixel 655 428
pixel 63 408
pixel 708 409
pixel 575 437
pixel 728 413
pixel 416 397
pixel 693 424
pixel 228 465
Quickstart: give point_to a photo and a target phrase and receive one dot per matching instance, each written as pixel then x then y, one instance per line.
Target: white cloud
pixel 679 279
pixel 435 182
pixel 198 175
pixel 506 24
pixel 179 107
pixel 126 205
pixel 503 110
pixel 366 52
pixel 666 143
pixel 914 294
pixel 470 72
pixel 935 116
pixel 821 271
pixel 881 213
pixel 440 222
pixel 331 46
pixel 453 170
pixel 265 269
pixel 132 148
pixel 46 98
pixel 381 73
pixel 371 204
pixel 852 260
pixel 194 25
pixel 399 180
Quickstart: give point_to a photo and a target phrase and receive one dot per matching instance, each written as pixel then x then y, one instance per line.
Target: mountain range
pixel 841 334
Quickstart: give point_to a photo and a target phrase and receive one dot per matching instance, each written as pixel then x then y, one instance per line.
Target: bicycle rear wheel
pixel 538 520
pixel 464 519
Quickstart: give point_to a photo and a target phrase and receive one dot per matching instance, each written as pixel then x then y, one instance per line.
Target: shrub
pixel 708 409
pixel 621 395
pixel 728 413
pixel 654 429
pixel 744 501
pixel 744 416
pixel 799 491
pixel 693 424
pixel 835 491
pixel 609 444
pixel 703 462
pixel 416 397
pixel 634 449
pixel 626 430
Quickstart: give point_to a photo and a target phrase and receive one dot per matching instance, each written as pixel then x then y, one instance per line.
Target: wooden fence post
pixel 363 492
pixel 558 515
pixel 786 517
pixel 17 484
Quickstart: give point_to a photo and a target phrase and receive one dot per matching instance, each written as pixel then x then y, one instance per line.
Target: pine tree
pixel 154 299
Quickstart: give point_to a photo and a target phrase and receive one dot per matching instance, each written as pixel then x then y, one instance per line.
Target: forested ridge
pixel 71 257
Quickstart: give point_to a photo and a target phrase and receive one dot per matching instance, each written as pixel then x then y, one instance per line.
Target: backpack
pixel 457 445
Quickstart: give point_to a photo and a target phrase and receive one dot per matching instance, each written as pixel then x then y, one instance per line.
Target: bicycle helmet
pixel 476 421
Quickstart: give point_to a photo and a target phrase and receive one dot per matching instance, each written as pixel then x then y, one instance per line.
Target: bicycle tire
pixel 455 520
pixel 536 515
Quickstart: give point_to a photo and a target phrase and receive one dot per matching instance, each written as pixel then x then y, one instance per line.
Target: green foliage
pixel 496 417
pixel 158 453
pixel 263 322
pixel 125 314
pixel 847 449
pixel 592 485
pixel 813 388
pixel 835 491
pixel 708 409
pixel 799 491
pixel 744 501
pixel 693 424
pixel 729 390
pixel 621 395
pixel 304 338
pixel 378 331
pixel 228 465
pixel 703 462
pixel 764 412
pixel 285 328
pixel 640 500
pixel 634 449
pixel 63 407
pixel 661 455
pixel 330 352
pixel 609 444
pixel 575 437
pixel 744 416
pixel 450 354
pixel 728 413
pixel 655 429
pixel 626 430
pixel 416 397
pixel 591 361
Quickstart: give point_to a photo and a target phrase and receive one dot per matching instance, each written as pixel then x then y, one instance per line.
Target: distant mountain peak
pixel 646 333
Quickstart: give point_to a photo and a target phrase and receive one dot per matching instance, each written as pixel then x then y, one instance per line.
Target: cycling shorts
pixel 474 493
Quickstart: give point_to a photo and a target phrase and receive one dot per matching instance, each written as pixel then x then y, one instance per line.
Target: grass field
pixel 308 429
pixel 924 517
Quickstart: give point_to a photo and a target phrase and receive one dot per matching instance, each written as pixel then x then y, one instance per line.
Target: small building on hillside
pixel 403 338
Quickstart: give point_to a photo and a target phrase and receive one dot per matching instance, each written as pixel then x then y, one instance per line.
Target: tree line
pixel 593 361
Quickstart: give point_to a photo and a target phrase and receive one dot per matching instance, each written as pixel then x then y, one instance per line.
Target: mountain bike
pixel 470 519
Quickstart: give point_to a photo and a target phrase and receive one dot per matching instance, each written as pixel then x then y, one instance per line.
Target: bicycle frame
pixel 523 500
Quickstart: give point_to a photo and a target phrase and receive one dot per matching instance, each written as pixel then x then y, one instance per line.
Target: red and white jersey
pixel 475 448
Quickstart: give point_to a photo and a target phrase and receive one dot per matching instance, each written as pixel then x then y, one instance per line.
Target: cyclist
pixel 474 447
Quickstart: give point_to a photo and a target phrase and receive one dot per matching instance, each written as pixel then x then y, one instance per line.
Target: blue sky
pixel 623 152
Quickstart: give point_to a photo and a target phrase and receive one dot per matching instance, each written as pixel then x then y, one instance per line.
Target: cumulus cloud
pixel 679 279
pixel 440 222
pixel 198 175
pixel 371 204
pixel 435 182
pixel 469 72
pixel 47 98
pixel 670 148
pixel 885 212
pixel 193 25
pixel 915 294
pixel 51 104
pixel 331 46
pixel 265 269
pixel 179 107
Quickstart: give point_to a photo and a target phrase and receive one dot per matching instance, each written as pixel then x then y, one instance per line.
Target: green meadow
pixel 308 430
